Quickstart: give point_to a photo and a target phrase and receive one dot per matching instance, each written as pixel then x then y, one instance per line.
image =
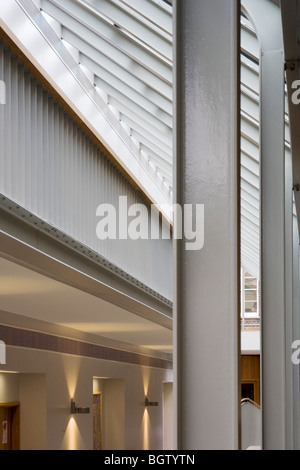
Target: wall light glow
pixel 71 435
pixel 146 430
pixel 71 370
pixel 146 380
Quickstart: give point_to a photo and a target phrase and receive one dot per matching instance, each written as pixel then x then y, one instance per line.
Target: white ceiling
pixel 25 292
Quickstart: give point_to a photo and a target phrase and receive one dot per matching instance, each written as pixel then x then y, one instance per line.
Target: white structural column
pixel 290 22
pixel 275 404
pixel 207 281
pixel 289 286
pixel 296 332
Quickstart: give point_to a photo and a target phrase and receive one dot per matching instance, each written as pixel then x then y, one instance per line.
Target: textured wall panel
pixel 51 167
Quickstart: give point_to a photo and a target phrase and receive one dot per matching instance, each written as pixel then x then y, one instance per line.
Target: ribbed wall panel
pixel 51 167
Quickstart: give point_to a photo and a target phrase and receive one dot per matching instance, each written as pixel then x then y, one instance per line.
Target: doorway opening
pixel 109 413
pixel 10 426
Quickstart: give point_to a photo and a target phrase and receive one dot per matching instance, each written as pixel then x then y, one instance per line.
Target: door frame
pixel 101 418
pixel 15 423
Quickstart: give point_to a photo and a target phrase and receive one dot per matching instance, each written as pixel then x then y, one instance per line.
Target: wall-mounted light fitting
pixel 150 403
pixel 78 410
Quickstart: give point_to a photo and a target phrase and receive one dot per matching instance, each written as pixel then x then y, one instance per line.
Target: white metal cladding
pixel 250 135
pixel 126 46
pixel 250 185
pixel 50 167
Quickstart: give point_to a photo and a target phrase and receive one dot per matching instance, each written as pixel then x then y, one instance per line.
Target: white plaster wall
pixel 9 387
pixel 33 411
pixel 168 416
pixel 69 377
pixel 113 412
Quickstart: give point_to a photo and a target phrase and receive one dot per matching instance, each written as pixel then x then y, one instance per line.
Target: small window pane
pixel 250 296
pixel 251 307
pixel 250 284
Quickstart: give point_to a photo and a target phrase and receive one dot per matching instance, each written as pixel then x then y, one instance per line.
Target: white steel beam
pixel 134 24
pixel 156 145
pixel 133 111
pixel 76 18
pixel 148 131
pixel 160 158
pixel 127 82
pixel 207 172
pixel 120 64
pixel 266 17
pixel 249 75
pixel 139 105
pixel 249 42
pixel 141 108
pixel 159 12
pixel 290 21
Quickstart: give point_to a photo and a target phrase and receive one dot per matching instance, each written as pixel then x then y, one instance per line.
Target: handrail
pixel 248 400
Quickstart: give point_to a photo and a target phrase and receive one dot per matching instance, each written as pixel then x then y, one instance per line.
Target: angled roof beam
pixel 134 111
pixel 251 209
pixel 126 82
pixel 159 13
pixel 250 164
pixel 163 141
pixel 250 252
pixel 250 198
pixel 250 225
pixel 62 75
pixel 249 43
pixel 252 218
pixel 148 131
pixel 71 14
pixel 155 145
pixel 250 190
pixel 159 157
pixel 250 177
pixel 249 147
pixel 249 105
pixel 134 24
pixel 141 107
pixel 250 128
pixel 254 239
pixel 249 75
pixel 104 53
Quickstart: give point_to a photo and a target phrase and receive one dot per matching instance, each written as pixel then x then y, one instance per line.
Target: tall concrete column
pixel 207 281
pixel 275 248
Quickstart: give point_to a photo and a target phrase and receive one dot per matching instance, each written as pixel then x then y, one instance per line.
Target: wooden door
pixel 10 426
pixel 251 378
pixel 97 421
pixel 5 428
